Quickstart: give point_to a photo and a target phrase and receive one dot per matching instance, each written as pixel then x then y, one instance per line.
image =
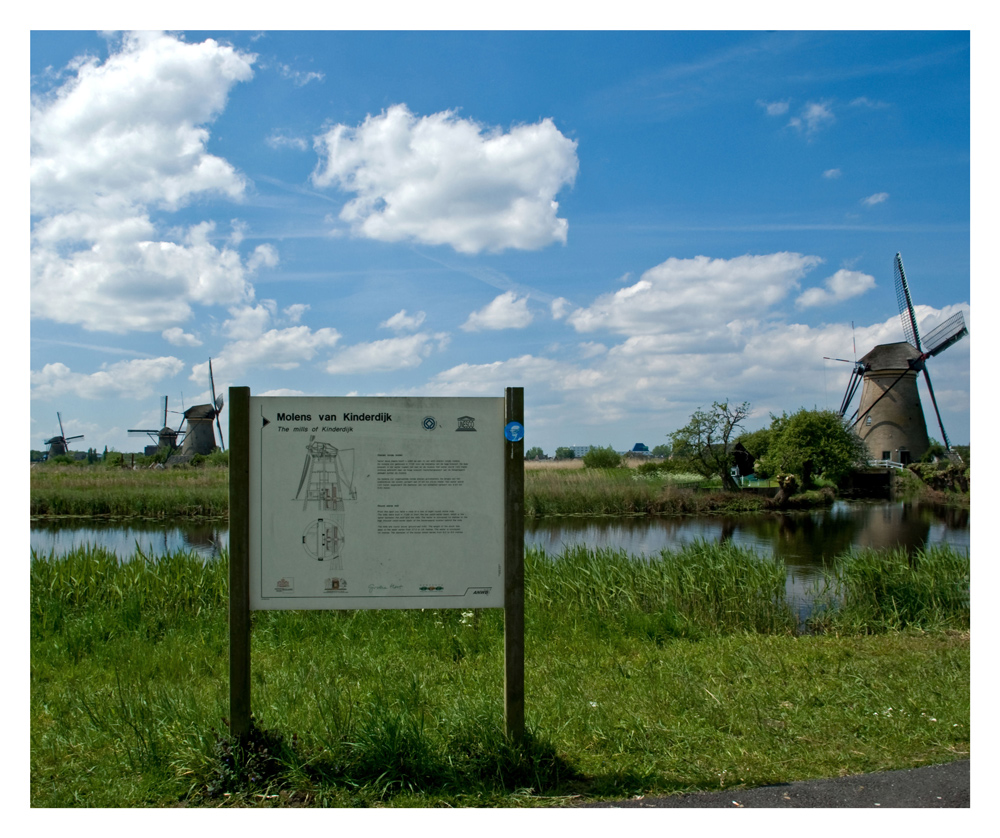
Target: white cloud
pixel 560 307
pixel 386 355
pixel 696 302
pixel 176 336
pixel 282 349
pixel 504 312
pixel 281 141
pixel 402 322
pixel 113 142
pixel 841 286
pixel 124 379
pixel 877 198
pixel 814 116
pixel 441 179
pixel 774 108
pixel 298 77
pixel 295 311
pixel 831 174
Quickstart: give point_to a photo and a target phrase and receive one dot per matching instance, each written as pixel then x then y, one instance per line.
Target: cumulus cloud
pixel 124 379
pixel 698 301
pixel 814 116
pixel 397 353
pixel 831 174
pixel 281 141
pixel 877 198
pixel 560 307
pixel 282 349
pixel 507 311
pixel 441 179
pixel 843 285
pixel 115 141
pixel 176 336
pixel 403 322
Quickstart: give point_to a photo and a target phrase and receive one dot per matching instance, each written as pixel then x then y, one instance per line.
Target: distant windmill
pixel 165 437
pixel 58 444
pixel 889 417
pixel 200 437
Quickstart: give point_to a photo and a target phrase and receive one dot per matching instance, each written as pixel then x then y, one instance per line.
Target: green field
pixel 642 677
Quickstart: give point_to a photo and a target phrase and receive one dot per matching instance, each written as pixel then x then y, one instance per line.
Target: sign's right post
pixel 513 687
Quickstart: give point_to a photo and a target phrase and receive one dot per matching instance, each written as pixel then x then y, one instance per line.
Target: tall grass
pixel 888 590
pixel 642 676
pixel 699 590
pixel 149 493
pixel 623 492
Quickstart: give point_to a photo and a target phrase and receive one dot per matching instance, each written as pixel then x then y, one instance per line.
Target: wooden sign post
pixel 426 502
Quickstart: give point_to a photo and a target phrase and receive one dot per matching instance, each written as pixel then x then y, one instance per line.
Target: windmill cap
pixel 891 356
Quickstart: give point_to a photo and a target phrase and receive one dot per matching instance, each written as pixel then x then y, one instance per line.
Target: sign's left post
pixel 239 562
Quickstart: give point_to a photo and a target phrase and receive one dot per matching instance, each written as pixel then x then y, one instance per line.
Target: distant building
pixel 640 449
pixel 580 450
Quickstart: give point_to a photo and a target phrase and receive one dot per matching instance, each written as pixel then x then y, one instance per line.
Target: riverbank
pixel 642 677
pixel 58 490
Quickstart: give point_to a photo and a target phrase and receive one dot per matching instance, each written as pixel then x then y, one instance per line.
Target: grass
pixel 642 677
pixel 557 492
pixel 97 491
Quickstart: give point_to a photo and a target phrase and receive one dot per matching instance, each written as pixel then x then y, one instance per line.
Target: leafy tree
pixel 535 453
pixel 705 441
pixel 814 442
pixel 602 458
pixel 564 453
pixel 661 451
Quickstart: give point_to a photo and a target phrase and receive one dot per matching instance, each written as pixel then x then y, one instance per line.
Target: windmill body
pixel 893 425
pixel 890 418
pixel 200 435
pixel 60 444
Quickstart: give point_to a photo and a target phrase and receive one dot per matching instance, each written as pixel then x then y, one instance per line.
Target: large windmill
pixel 165 437
pixel 58 444
pixel 889 417
pixel 199 438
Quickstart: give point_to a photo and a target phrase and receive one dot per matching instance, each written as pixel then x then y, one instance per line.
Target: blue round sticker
pixel 514 431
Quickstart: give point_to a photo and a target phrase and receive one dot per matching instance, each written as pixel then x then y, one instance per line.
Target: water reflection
pixel 154 538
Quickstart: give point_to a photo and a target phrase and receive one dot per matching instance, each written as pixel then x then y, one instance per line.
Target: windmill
pixel 58 444
pixel 199 438
pixel 165 437
pixel 889 417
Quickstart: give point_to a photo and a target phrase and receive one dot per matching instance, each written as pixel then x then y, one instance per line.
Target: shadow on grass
pixel 477 762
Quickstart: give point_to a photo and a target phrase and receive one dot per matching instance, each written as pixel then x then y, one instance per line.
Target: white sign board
pixel 376 503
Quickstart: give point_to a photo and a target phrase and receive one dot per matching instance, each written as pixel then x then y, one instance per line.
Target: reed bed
pixel 624 492
pixel 142 493
pixel 674 673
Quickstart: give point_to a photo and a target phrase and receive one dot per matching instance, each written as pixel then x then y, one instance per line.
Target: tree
pixel 535 453
pixel 814 442
pixel 661 451
pixel 757 444
pixel 705 440
pixel 564 453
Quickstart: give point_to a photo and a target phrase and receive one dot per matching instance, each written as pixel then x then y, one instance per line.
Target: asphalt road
pixel 931 787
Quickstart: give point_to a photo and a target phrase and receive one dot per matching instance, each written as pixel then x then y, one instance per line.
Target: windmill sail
pixel 951 331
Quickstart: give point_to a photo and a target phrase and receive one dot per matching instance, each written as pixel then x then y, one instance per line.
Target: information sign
pixel 376 503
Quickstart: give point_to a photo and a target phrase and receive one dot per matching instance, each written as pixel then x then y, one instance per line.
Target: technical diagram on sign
pixel 322 540
pixel 327 477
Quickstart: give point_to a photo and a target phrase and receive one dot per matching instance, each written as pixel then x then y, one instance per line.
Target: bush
pixel 602 458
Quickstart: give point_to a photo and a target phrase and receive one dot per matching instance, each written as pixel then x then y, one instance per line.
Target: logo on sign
pixel 466 423
pixel 429 423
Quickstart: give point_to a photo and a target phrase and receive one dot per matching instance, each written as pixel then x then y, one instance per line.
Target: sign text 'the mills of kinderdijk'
pixel 376 503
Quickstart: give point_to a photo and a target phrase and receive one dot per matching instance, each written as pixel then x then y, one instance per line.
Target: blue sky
pixel 630 225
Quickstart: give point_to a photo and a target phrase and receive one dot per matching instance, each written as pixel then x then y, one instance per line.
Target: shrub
pixel 602 458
